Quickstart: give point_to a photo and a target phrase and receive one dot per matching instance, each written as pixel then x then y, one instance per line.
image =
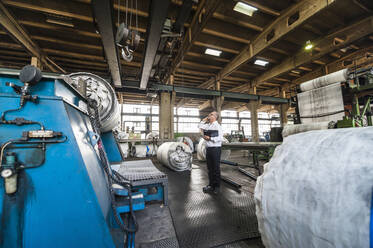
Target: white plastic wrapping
pixel 201 150
pixel 175 155
pixel 316 191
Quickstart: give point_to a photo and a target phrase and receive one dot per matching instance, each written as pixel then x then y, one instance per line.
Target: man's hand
pixel 207 137
pixel 205 119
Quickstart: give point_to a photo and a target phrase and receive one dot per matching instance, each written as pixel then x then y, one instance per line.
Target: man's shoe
pixel 208 189
pixel 216 190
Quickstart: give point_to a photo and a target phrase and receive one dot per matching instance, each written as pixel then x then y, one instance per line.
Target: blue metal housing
pixel 65 202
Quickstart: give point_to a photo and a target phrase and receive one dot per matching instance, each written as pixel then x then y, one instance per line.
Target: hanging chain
pixel 131 14
pixel 126 12
pixel 137 27
pixel 118 12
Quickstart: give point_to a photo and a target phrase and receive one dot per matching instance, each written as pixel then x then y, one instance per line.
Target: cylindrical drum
pixel 175 155
pixel 100 90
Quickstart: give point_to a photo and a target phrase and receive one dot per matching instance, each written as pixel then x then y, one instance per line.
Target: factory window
pixel 244 114
pixel 228 113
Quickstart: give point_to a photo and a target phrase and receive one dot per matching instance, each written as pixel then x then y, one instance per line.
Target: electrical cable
pixel 113 176
pixel 18 121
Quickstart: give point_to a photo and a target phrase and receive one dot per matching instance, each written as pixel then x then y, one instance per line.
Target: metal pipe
pixel 249 174
pixel 231 182
pixel 229 162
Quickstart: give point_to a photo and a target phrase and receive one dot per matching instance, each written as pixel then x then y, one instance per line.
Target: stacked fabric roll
pixel 316 191
pixel 175 155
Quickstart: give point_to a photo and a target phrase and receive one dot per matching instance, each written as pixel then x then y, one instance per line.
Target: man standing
pixel 213 134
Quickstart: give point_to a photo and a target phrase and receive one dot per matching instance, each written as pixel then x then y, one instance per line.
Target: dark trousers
pixel 213 165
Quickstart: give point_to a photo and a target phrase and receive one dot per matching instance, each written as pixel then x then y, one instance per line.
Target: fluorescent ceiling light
pixel 244 8
pixel 309 45
pixel 212 52
pixel 261 62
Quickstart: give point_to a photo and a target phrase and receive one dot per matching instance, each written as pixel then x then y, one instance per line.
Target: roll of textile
pixel 201 150
pixel 338 76
pixel 142 151
pixel 300 128
pixel 186 140
pixel 316 191
pixel 321 104
pixel 175 155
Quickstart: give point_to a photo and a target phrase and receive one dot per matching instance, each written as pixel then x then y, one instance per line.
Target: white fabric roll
pixel 300 128
pixel 322 104
pixel 142 151
pixel 335 77
pixel 316 191
pixel 201 150
pixel 175 155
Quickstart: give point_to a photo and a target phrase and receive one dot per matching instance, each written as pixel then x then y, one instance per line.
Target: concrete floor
pixel 156 224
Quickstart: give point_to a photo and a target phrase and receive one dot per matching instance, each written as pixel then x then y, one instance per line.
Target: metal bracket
pixel 94 137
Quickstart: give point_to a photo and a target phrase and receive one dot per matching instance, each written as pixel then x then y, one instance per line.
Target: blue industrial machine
pixel 58 188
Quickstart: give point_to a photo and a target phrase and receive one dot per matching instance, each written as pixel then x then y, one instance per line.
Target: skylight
pixel 244 8
pixel 261 62
pixel 212 52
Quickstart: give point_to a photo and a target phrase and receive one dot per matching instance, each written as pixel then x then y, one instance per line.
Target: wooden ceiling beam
pixel 351 33
pixel 204 12
pixel 225 36
pixel 68 43
pixel 188 76
pixel 356 58
pixel 194 72
pixel 53 7
pixel 199 55
pixel 208 45
pixel 235 21
pixel 53 27
pixel 272 33
pixel 87 57
pixel 201 66
pixel 262 8
pixel 278 50
pixel 9 22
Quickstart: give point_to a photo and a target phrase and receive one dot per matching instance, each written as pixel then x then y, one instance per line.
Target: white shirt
pixel 214 141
